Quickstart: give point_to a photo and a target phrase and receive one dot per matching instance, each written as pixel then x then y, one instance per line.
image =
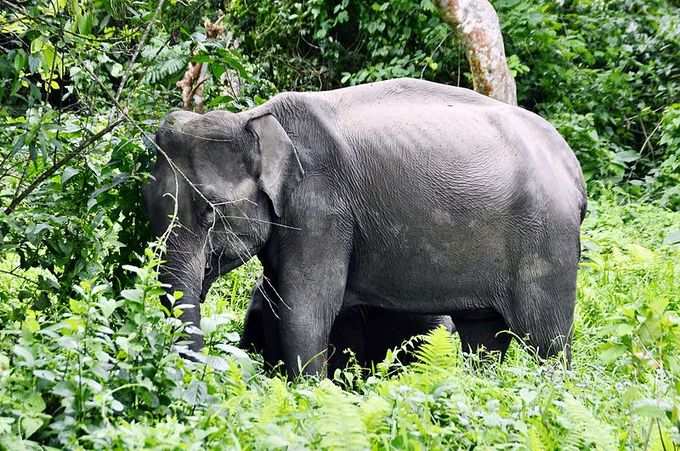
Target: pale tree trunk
pixel 196 74
pixel 477 25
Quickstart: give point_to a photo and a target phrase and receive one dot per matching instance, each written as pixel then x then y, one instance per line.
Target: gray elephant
pixel 369 332
pixel 416 196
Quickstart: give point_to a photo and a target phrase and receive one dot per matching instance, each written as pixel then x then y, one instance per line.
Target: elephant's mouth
pixel 211 274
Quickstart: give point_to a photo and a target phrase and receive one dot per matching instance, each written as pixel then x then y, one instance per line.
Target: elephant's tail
pixel 583 211
pixel 584 208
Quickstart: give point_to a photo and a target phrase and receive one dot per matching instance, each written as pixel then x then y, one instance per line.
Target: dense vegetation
pixel 86 352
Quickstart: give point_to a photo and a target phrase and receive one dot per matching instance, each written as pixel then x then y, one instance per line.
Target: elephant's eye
pixel 208 215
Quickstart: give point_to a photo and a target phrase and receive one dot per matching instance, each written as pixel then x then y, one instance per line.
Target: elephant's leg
pixel 311 279
pixel 261 327
pixel 348 332
pixel 389 329
pixel 544 313
pixel 305 329
pixel 546 327
pixel 485 332
pixel 253 337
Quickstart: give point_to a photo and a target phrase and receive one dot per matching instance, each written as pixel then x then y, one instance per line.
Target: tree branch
pixel 59 164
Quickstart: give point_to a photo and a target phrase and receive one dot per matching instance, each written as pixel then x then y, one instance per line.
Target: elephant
pixel 409 195
pixel 369 332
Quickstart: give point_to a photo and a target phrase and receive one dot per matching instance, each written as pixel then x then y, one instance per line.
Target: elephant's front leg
pixel 305 329
pixel 311 280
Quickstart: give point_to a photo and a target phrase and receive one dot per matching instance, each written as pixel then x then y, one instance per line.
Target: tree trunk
pixel 196 74
pixel 477 25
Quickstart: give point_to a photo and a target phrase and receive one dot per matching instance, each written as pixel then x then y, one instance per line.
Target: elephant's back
pixel 402 90
pixel 441 138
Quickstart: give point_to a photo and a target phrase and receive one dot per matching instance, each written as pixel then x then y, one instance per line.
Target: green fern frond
pixel 374 411
pixel 166 61
pixel 583 429
pixel 338 418
pixel 279 402
pixel 438 350
pixel 539 437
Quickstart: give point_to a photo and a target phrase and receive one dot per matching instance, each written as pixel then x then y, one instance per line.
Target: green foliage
pixel 322 45
pixel 104 360
pixel 85 218
pixel 603 71
pixel 666 176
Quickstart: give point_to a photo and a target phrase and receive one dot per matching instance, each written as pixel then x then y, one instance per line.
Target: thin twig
pixel 644 144
pixel 56 166
pixel 18 276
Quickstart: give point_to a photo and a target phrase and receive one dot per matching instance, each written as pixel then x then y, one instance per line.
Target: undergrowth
pixel 105 373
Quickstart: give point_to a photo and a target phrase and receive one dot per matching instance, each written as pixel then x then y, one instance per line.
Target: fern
pixel 164 61
pixel 539 437
pixel 583 429
pixel 278 402
pixel 339 422
pixel 374 411
pixel 438 350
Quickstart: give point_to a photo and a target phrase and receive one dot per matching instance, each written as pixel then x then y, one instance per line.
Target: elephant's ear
pixel 280 169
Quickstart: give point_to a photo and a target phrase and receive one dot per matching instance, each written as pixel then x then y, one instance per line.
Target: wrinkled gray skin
pixel 369 332
pixel 417 196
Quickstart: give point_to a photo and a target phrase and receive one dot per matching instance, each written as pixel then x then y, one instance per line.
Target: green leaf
pixel 117 406
pixel 117 70
pixel 77 307
pixel 217 363
pixel 611 352
pixel 26 354
pixel 85 23
pixel 107 306
pixel 195 393
pixel 672 238
pixel 135 295
pixel 30 325
pixel 30 425
pixel 654 408
pixel 68 173
pixel 20 60
pixel 238 353
pixel 210 324
pixel 626 156
pixel 45 374
pixel 34 403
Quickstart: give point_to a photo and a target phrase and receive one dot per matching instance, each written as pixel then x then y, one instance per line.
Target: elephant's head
pixel 218 184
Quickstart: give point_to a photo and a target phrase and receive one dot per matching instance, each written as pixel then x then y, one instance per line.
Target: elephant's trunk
pixel 183 271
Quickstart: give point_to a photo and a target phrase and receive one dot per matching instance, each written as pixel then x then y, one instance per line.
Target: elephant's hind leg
pixel 543 315
pixel 485 332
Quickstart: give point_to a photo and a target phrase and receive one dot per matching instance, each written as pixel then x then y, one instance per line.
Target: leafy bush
pixel 72 204
pixel 105 360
